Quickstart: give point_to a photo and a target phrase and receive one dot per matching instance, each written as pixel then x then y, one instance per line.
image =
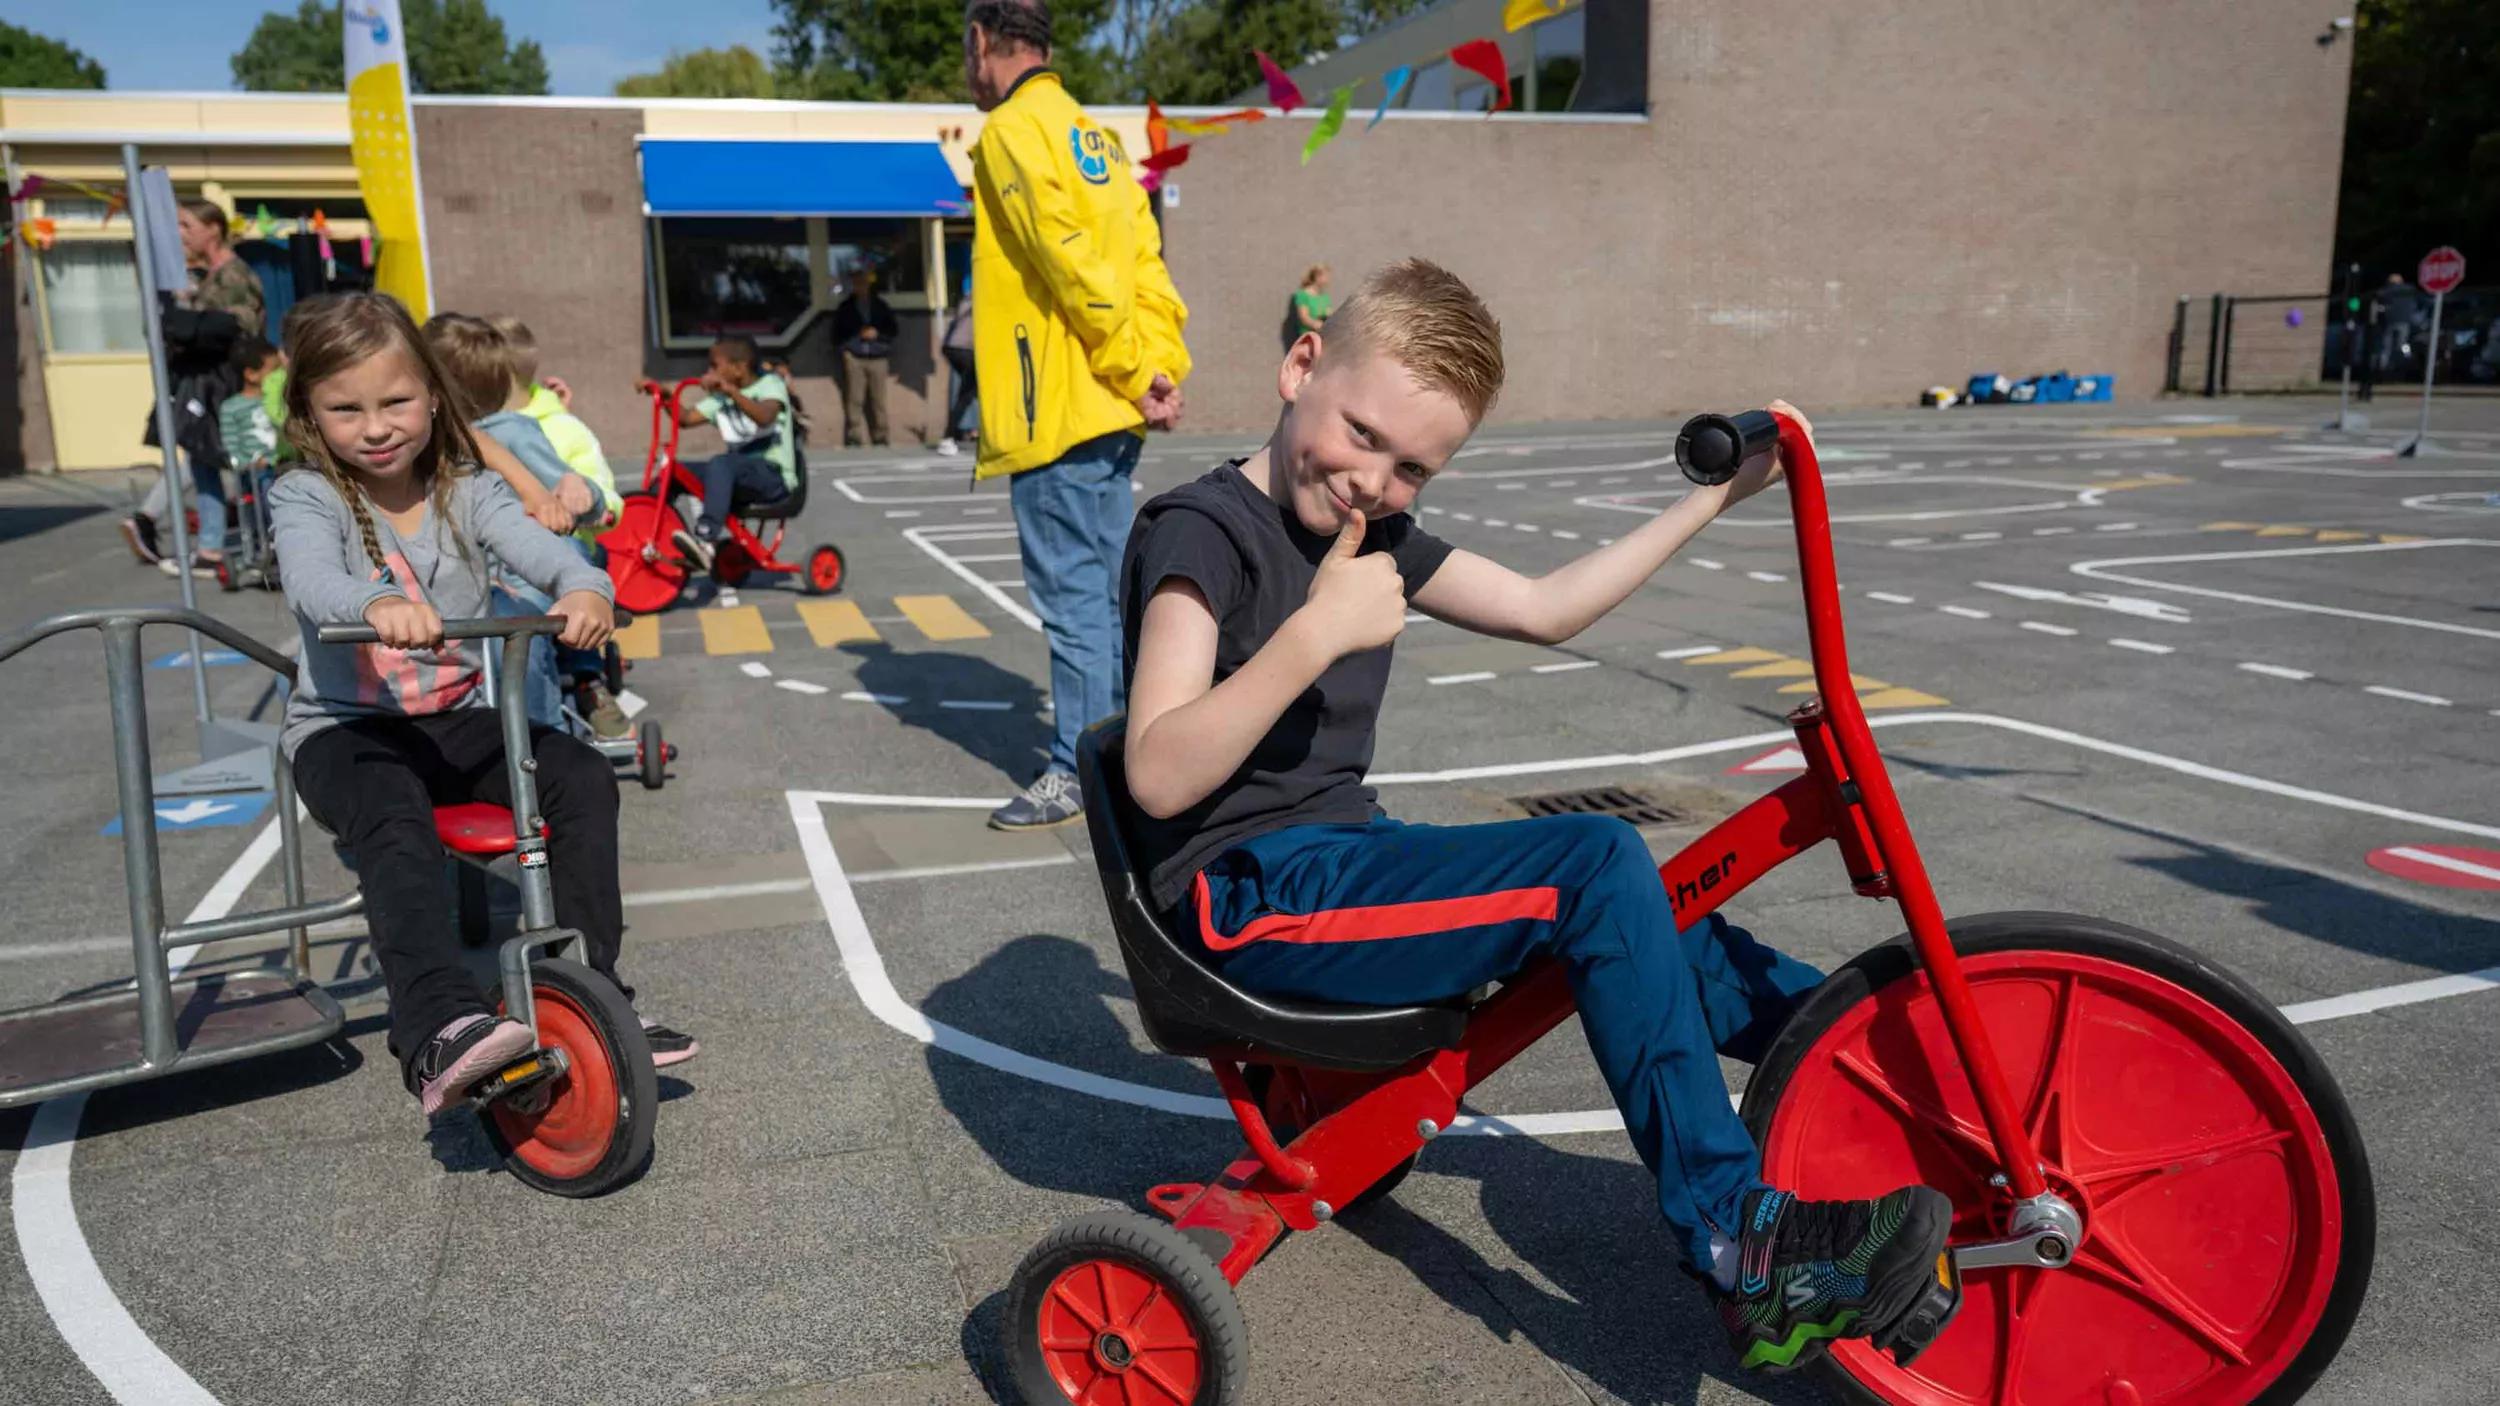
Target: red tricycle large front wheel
pixel 644 559
pixel 2229 1219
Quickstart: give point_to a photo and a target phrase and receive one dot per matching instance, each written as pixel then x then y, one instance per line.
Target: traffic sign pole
pixel 2442 269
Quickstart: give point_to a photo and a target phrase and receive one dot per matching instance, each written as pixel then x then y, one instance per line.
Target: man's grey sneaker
pixel 1053 799
pixel 1812 1271
pixel 696 549
pixel 461 1053
pixel 668 1046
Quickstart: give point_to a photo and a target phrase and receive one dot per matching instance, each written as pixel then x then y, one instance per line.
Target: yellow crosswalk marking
pixel 2139 481
pixel 1777 669
pixel 1742 654
pixel 641 639
pixel 2231 527
pixel 1900 698
pixel 2400 537
pixel 2282 531
pixel 1860 682
pixel 832 622
pixel 940 618
pixel 735 629
pixel 2340 534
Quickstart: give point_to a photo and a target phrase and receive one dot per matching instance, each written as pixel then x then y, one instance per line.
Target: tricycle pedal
pixel 520 1078
pixel 1925 1321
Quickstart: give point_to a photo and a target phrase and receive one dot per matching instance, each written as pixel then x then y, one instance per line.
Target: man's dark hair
pixel 740 349
pixel 1014 24
pixel 250 352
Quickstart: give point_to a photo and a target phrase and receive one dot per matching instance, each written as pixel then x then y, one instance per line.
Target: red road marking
pixel 1784 758
pixel 2449 866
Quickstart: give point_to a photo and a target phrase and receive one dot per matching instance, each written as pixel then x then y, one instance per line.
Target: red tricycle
pixel 2160 1194
pixel 650 565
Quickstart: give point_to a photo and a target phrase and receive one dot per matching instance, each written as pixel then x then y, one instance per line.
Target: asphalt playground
pixel 2197 666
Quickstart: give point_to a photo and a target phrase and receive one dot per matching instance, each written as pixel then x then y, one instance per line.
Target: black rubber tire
pixel 612 668
pixel 1878 967
pixel 628 1053
pixel 654 755
pixel 1154 1248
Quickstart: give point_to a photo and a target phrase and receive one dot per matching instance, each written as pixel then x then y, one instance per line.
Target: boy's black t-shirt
pixel 1254 562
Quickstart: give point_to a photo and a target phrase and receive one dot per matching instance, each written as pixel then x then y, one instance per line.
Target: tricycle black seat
pixel 1186 1006
pixel 789 506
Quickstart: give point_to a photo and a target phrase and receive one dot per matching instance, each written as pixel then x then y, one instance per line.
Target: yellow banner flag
pixel 1519 14
pixel 384 143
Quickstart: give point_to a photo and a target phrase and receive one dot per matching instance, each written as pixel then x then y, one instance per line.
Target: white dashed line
pixel 754 670
pixel 2046 628
pixel 1478 677
pixel 1563 668
pixel 1770 576
pixel 1496 522
pixel 1567 536
pixel 1434 510
pixel 2407 695
pixel 1981 536
pixel 1890 598
pixel 2441 861
pixel 975 705
pixel 1508 487
pixel 2118 527
pixel 2277 671
pixel 902 512
pixel 1526 527
pixel 1690 651
pixel 2142 647
pixel 802 686
pixel 979 512
pixel 2050 531
pixel 1966 612
pixel 890 700
pixel 1464 517
pixel 1909 541
pixel 1707 564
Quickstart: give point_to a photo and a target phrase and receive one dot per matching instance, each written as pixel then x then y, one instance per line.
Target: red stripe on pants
pixel 1384 920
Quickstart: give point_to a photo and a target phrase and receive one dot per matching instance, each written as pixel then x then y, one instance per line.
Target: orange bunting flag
pixel 42 233
pixel 1214 126
pixel 1519 14
pixel 1158 128
pixel 1280 85
pixel 1485 57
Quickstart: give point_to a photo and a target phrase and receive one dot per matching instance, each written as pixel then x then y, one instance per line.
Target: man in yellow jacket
pixel 1077 350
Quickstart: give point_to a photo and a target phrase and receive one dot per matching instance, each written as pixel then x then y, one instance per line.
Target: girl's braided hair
pixel 330 333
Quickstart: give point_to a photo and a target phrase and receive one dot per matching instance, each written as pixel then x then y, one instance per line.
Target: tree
pixel 2422 136
pixel 912 50
pixel 734 72
pixel 454 46
pixel 1199 51
pixel 31 60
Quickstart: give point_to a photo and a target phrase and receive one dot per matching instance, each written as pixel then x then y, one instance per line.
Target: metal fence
pixel 2239 343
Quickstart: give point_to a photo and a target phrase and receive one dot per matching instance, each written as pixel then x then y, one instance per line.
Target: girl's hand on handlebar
pixel 551 515
pixel 588 620
pixel 1763 470
pixel 405 624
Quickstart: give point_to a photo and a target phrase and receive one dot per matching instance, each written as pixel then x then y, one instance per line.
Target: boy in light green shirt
pixel 573 440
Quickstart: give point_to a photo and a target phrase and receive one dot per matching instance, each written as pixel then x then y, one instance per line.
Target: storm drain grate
pixel 1600 800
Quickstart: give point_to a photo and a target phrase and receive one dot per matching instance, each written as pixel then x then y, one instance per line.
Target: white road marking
pixel 2381 998
pixel 2117 527
pixel 2143 647
pixel 1478 676
pixel 1690 651
pixel 1964 611
pixel 991 556
pixel 925 539
pixel 1464 517
pixel 1563 668
pixel 2162 611
pixel 1909 541
pixel 2450 863
pixel 2050 531
pixel 1891 598
pixel 1770 576
pixel 1707 564
pixel 802 686
pixel 631 703
pixel 891 700
pixel 755 670
pixel 2406 695
pixel 1566 536
pixel 976 705
pixel 1526 527
pixel 1508 487
pixel 2099 570
pixel 1496 522
pixel 2276 671
pixel 713 892
pixel 1981 536
pixel 2046 628
pixel 902 512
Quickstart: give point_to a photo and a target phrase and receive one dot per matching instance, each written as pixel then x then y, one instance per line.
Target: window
pixel 1561 47
pixel 1430 92
pixel 746 276
pixel 896 249
pixel 91 298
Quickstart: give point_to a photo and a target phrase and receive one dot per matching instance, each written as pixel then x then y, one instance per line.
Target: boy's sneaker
pixel 606 719
pixel 1812 1271
pixel 1052 799
pixel 668 1046
pixel 139 534
pixel 696 549
pixel 460 1054
pixel 949 447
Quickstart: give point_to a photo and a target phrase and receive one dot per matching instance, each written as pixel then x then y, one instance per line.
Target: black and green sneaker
pixel 1812 1271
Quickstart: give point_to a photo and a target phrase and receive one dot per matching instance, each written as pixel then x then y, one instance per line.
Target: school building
pixel 1689 203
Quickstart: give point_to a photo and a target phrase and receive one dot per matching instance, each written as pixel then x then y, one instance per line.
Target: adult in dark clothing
pixel 961 419
pixel 864 328
pixel 223 303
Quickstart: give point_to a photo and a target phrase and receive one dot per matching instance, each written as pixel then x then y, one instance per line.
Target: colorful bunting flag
pixel 27 189
pixel 1280 86
pixel 1519 14
pixel 1158 128
pixel 1393 82
pixel 1330 123
pixel 1214 126
pixel 1167 158
pixel 1485 57
pixel 42 233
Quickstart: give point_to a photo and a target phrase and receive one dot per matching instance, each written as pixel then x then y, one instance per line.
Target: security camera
pixel 2344 22
pixel 2326 37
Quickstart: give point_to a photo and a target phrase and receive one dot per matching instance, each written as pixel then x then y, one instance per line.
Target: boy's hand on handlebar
pixel 578 497
pixel 1358 602
pixel 588 620
pixel 405 624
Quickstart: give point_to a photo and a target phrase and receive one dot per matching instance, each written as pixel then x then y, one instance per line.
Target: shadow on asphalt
pixel 1013 738
pixel 16 522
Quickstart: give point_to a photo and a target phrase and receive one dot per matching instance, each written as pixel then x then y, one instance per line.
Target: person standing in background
pixel 864 328
pixel 223 304
pixel 1079 347
pixel 1310 305
pixel 958 348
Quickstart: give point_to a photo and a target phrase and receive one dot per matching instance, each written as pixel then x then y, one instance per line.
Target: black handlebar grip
pixel 1711 448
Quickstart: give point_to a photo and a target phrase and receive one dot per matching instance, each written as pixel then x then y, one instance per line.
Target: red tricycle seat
pixel 475 828
pixel 1188 1009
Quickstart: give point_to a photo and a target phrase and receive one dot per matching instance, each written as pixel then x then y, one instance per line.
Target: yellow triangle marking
pixel 1742 654
pixel 2400 537
pixel 2282 531
pixel 2340 534
pixel 1780 669
pixel 1902 698
pixel 2230 527
pixel 1859 682
pixel 641 639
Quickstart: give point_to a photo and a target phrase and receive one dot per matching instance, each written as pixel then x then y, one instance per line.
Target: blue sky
pixel 184 44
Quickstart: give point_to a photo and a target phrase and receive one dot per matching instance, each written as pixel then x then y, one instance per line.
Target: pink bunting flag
pixel 1485 57
pixel 1280 86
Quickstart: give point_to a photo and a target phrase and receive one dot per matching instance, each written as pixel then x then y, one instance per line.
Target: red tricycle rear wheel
pixel 2229 1219
pixel 1115 1309
pixel 643 556
pixel 825 570
pixel 590 1132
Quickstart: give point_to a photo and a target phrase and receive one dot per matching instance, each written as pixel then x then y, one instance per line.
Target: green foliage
pixel 734 72
pixel 454 46
pixel 2422 137
pixel 31 60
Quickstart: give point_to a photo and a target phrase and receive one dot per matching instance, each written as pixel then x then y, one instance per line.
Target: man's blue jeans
pixel 1072 518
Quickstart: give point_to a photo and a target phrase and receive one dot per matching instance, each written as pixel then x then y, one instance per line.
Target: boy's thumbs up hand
pixel 1357 602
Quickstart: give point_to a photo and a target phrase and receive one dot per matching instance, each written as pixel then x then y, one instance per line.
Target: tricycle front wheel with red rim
pixel 1114 1309
pixel 825 571
pixel 590 1130
pixel 644 560
pixel 2229 1219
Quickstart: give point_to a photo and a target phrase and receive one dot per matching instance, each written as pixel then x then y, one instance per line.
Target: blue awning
pixel 750 178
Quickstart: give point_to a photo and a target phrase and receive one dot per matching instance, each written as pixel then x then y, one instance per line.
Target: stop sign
pixel 2442 270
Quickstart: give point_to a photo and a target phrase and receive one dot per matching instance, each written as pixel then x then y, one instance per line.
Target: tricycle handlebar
pixel 1711 448
pixel 500 627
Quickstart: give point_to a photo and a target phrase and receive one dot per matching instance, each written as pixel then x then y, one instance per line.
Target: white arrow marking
pixel 2137 606
pixel 191 812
